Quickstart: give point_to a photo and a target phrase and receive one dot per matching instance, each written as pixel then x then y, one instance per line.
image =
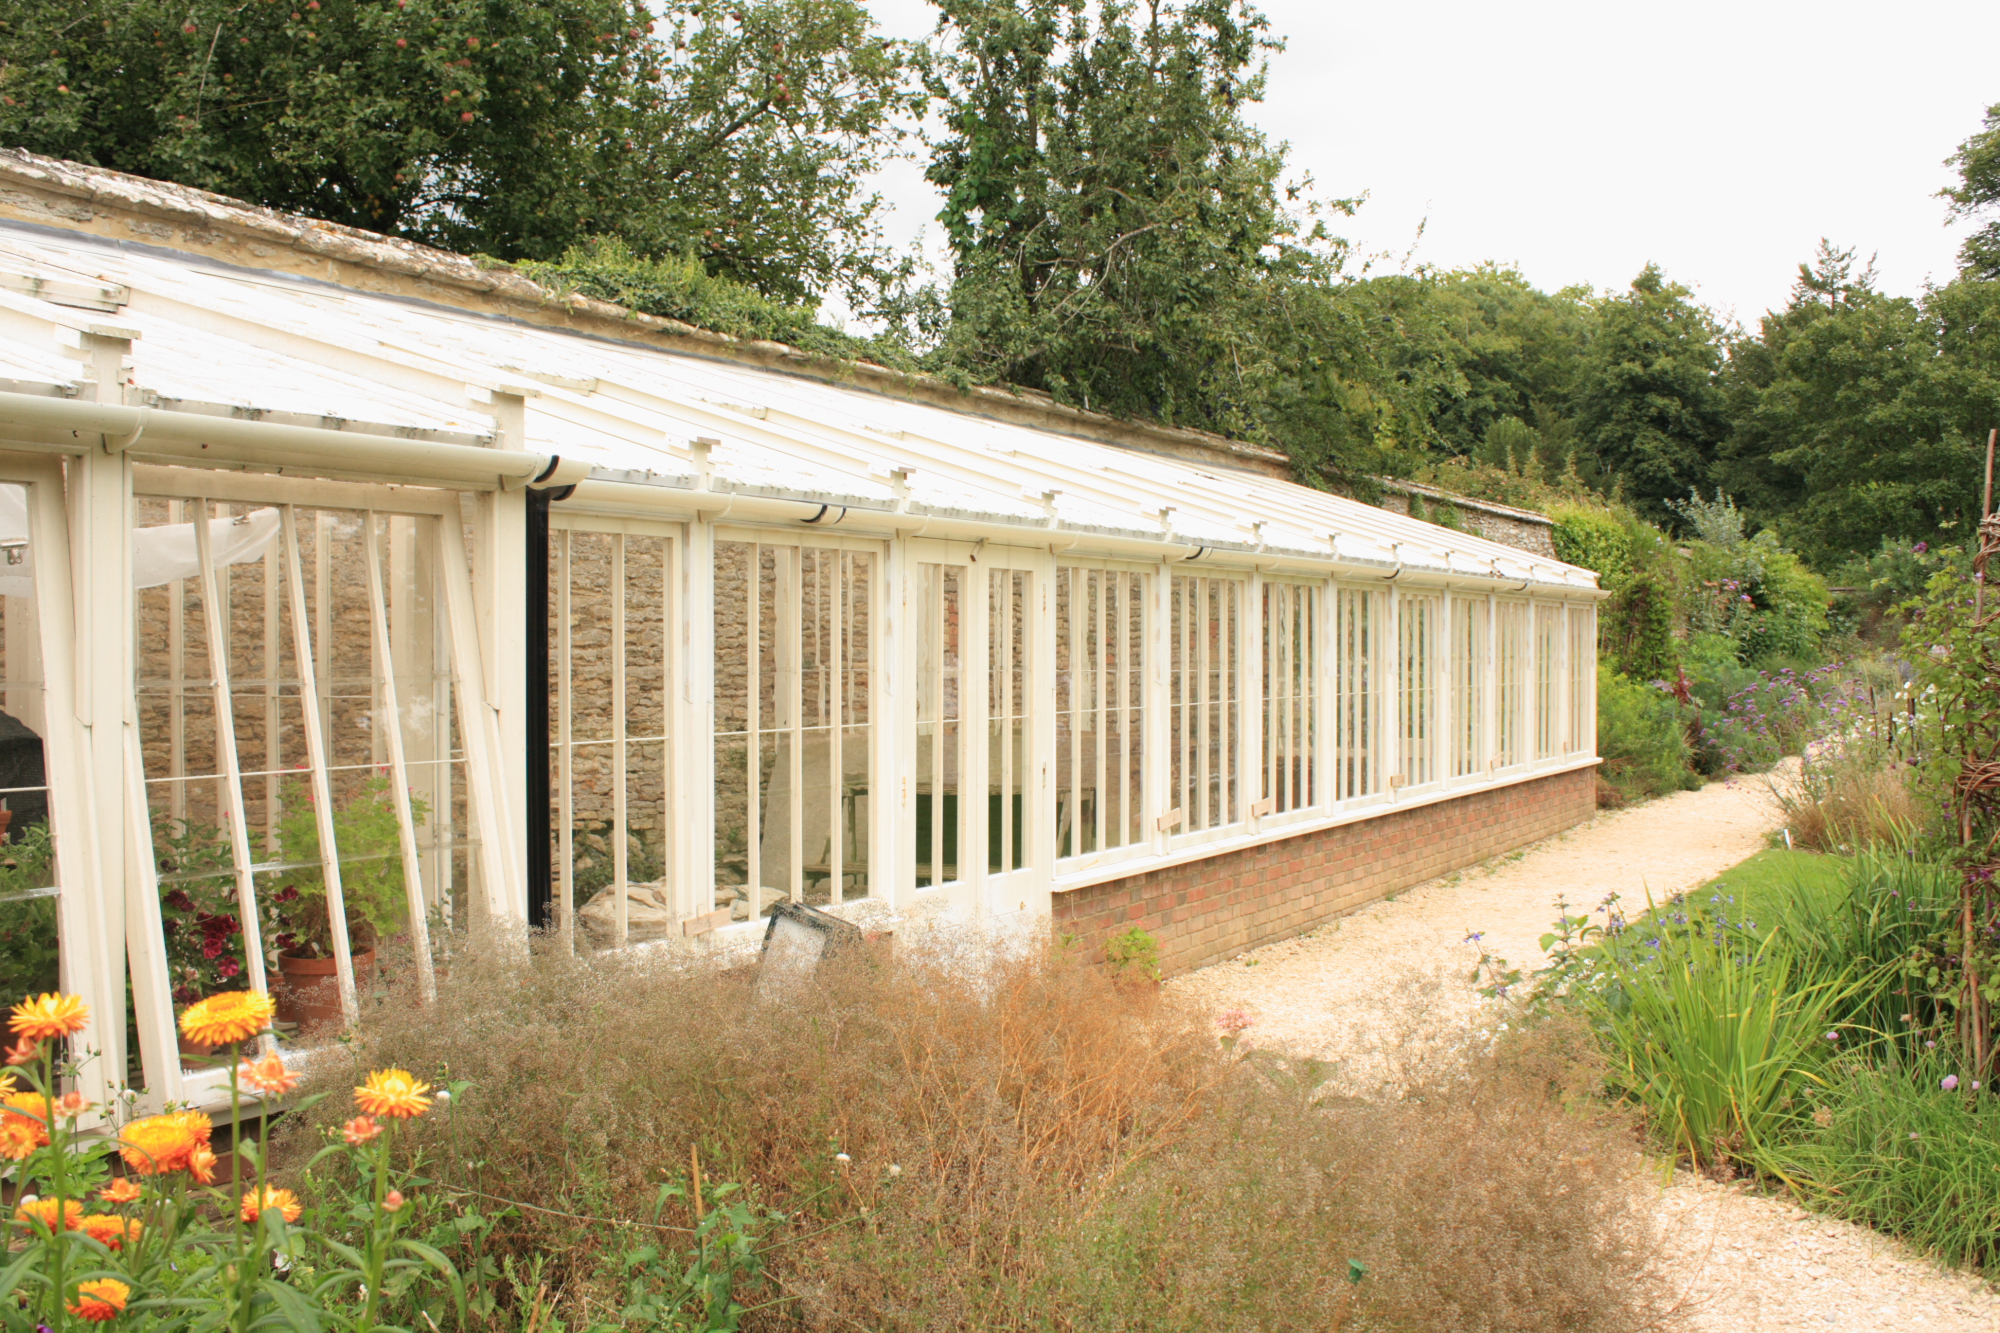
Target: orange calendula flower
pixel 225 1019
pixel 267 1075
pixel 395 1093
pixel 101 1300
pixel 23 1124
pixel 360 1130
pixel 50 1015
pixel 120 1190
pixel 273 1199
pixel 44 1212
pixel 162 1143
pixel 201 1164
pixel 108 1229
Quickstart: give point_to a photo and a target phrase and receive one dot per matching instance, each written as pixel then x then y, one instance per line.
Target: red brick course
pixel 1205 911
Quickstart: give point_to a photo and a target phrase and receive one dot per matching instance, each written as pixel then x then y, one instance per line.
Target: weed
pixel 955 1142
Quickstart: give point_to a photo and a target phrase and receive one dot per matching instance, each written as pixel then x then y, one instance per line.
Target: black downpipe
pixel 541 844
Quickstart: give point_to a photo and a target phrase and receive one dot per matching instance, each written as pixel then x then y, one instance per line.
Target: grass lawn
pixel 1769 877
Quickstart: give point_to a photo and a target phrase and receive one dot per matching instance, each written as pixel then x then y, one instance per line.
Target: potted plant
pixel 298 926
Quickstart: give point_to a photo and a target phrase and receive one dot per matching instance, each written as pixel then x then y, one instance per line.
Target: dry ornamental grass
pixel 963 1143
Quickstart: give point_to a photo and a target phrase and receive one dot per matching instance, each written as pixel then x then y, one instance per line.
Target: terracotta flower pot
pixel 309 990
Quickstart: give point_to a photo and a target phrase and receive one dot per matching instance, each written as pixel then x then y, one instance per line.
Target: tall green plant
pixel 1715 1040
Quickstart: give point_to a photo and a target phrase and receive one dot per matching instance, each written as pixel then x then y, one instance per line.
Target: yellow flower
pixel 225 1019
pixel 50 1015
pixel 394 1093
pixel 109 1229
pixel 120 1190
pixel 44 1211
pixel 267 1075
pixel 100 1300
pixel 162 1143
pixel 281 1201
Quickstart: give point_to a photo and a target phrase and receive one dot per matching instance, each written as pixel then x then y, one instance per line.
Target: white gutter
pixel 186 437
pixel 638 500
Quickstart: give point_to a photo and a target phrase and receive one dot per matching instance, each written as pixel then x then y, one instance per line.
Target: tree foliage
pixel 1860 416
pixel 516 128
pixel 1120 237
pixel 1648 398
pixel 1977 195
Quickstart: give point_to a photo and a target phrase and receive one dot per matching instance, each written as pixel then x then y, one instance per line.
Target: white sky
pixel 1579 141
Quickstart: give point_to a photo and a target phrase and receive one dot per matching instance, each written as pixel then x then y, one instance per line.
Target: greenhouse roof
pixel 222 340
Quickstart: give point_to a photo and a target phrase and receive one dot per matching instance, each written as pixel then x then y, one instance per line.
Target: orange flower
pixel 267 1075
pixel 393 1202
pixel 360 1130
pixel 162 1143
pixel 19 1138
pixel 44 1211
pixel 100 1300
pixel 73 1104
pixel 120 1190
pixel 394 1093
pixel 281 1201
pixel 23 1051
pixel 201 1164
pixel 228 1018
pixel 50 1015
pixel 110 1230
pixel 23 1123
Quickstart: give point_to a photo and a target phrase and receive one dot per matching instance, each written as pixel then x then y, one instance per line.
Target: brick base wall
pixel 1205 911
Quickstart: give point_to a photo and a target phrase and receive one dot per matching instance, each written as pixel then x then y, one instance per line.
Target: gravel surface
pixel 1747 1262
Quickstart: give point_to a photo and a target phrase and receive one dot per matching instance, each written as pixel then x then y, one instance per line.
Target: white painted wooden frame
pixel 436 512
pixel 89 906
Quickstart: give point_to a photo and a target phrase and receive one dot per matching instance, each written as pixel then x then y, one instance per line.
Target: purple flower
pixel 1949 1082
pixel 1920 548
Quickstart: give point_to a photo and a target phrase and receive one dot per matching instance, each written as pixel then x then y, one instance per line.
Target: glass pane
pixel 939 731
pixel 608 726
pixel 1291 673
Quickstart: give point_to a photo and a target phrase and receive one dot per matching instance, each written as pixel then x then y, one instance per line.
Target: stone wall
pixel 1521 529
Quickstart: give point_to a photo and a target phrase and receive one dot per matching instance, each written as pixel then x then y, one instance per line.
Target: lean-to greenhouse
pixel 359 602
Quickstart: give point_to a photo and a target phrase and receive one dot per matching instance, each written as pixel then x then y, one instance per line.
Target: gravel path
pixel 1748 1263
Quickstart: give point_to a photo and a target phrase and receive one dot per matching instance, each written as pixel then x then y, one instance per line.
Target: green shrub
pixel 680 287
pixel 1886 1143
pixel 1759 596
pixel 1638 627
pixel 1641 737
pixel 1593 539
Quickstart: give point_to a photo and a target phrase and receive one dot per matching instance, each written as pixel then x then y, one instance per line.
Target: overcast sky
pixel 1579 141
